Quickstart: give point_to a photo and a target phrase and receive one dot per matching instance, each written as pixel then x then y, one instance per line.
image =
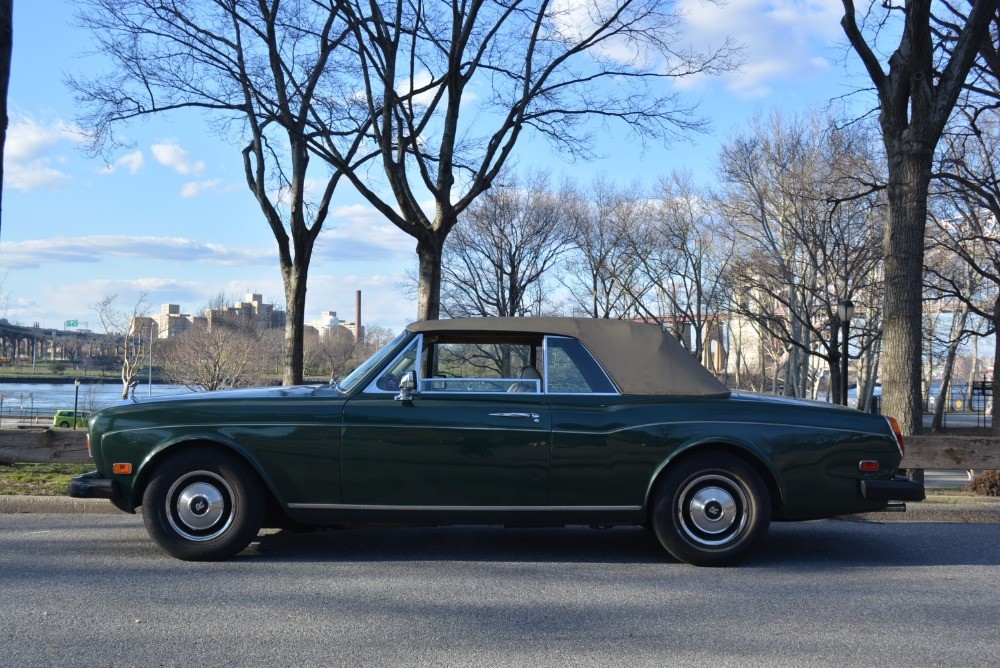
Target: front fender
pixel 192 440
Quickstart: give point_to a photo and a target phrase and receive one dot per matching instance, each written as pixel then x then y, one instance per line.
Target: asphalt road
pixel 92 590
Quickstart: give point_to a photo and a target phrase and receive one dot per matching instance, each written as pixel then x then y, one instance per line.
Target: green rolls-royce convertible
pixel 513 421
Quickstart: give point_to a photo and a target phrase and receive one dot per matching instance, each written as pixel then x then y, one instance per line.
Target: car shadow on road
pixel 827 542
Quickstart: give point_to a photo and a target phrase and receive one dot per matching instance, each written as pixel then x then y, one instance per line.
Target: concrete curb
pixel 915 512
pixel 12 504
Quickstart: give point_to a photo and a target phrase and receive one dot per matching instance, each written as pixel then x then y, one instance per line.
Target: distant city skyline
pixel 171 215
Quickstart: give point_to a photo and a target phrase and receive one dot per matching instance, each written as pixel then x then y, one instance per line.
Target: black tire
pixel 64 425
pixel 710 509
pixel 203 505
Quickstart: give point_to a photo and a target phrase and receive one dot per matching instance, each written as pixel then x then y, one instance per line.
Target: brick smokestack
pixel 357 316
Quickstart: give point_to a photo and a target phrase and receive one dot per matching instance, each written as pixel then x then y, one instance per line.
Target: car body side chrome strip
pixel 358 506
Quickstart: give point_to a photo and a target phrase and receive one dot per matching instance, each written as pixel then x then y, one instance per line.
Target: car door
pixel 459 442
pixel 598 460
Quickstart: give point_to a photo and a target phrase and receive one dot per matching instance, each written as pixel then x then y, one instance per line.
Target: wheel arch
pixel 747 452
pixel 168 450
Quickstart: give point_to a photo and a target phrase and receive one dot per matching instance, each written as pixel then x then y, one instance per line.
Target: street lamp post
pixel 76 400
pixel 845 311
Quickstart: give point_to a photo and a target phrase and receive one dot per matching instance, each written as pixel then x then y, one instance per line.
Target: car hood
pixel 294 392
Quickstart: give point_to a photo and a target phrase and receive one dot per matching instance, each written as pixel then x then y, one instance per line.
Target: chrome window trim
pixel 508 381
pixel 373 388
pixel 545 353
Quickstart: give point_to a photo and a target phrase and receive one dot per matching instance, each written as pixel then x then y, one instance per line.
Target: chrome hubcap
pixel 200 505
pixel 712 509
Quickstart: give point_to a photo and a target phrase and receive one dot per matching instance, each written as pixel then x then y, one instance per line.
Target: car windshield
pixel 355 377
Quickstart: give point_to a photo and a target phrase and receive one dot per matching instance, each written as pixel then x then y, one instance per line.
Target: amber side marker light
pixel 897 433
pixel 121 469
pixel 868 465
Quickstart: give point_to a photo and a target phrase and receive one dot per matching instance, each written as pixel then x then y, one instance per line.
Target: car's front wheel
pixel 710 509
pixel 64 424
pixel 203 505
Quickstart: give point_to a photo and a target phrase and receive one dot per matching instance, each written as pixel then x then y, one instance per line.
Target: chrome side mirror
pixel 407 386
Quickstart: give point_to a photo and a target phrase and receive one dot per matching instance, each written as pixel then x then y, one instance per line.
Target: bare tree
pixel 806 237
pixel 453 87
pixel 338 353
pixel 131 331
pixel 333 351
pixel 916 97
pixel 496 262
pixel 217 359
pixel 969 228
pixel 684 257
pixel 268 72
pixel 603 269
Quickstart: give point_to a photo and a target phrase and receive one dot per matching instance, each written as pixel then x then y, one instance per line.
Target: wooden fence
pixel 922 452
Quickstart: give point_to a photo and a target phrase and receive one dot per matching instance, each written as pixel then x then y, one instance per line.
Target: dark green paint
pixel 312 445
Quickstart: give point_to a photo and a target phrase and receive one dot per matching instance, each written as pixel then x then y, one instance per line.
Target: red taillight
pixel 898 434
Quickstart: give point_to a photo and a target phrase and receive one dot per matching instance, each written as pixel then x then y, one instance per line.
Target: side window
pixel 571 369
pixel 464 367
pixel 388 380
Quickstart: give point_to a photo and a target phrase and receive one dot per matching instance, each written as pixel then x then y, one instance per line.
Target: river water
pixel 29 400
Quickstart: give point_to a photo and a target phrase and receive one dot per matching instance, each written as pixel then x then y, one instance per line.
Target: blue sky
pixel 172 215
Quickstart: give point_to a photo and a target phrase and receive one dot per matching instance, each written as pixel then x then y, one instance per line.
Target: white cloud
pixel 360 233
pixel 33 176
pixel 196 188
pixel 134 161
pixel 93 249
pixel 170 154
pixel 783 39
pixel 30 151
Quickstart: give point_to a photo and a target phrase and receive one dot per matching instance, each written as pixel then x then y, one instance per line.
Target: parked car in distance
pixel 65 419
pixel 512 421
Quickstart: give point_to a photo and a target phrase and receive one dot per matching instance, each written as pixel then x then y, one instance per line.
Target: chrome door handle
pixel 532 416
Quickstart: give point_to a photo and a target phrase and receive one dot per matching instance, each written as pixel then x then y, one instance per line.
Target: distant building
pixel 171 322
pixel 143 326
pixel 329 322
pixel 252 313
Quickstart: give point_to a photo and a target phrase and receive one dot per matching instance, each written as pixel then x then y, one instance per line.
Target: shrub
pixel 986 483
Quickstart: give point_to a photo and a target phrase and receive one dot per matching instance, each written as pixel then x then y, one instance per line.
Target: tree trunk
pixel 909 176
pixel 294 279
pixel 995 411
pixel 6 44
pixel 944 395
pixel 834 362
pixel 429 274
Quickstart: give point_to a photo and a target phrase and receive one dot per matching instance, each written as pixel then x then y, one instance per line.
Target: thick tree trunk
pixel 6 44
pixel 294 279
pixel 429 275
pixel 909 176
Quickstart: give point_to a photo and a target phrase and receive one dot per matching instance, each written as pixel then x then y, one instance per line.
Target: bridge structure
pixel 18 342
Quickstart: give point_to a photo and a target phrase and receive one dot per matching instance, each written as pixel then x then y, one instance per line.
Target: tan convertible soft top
pixel 640 358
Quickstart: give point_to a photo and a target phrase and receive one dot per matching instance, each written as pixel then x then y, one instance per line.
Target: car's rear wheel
pixel 203 505
pixel 710 509
pixel 64 424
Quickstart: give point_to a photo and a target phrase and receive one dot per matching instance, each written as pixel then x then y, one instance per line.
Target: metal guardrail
pixel 931 451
